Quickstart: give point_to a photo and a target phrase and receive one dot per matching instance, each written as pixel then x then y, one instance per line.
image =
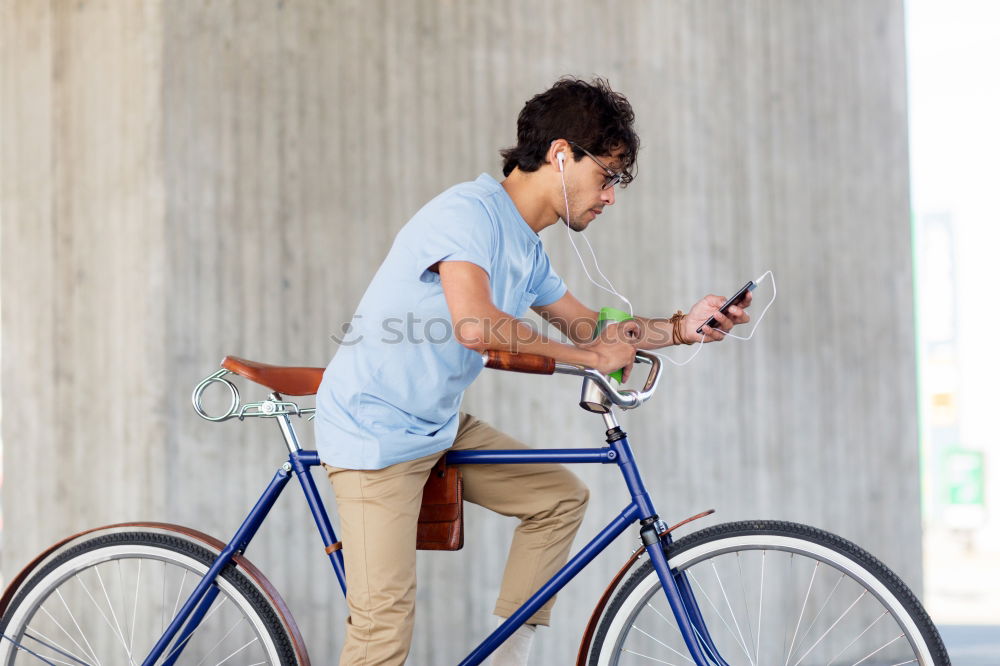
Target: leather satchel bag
pixel 440 526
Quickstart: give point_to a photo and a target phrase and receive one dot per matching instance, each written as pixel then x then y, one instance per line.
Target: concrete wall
pixel 186 180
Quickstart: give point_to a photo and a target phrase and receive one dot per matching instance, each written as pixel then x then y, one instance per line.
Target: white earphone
pixel 561 157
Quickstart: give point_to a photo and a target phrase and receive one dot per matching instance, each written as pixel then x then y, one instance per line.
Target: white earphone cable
pixel 612 290
pixel 701 343
pixel 597 266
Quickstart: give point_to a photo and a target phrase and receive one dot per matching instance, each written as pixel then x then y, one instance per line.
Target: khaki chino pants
pixel 378 522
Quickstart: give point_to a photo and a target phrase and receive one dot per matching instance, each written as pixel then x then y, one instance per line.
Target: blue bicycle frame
pixel 675 585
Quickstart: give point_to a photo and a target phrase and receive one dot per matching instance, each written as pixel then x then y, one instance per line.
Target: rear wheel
pixel 109 599
pixel 772 593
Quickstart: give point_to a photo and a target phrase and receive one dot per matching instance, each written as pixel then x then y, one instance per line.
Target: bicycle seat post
pixel 287 431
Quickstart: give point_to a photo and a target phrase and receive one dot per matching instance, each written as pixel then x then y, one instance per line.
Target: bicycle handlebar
pixel 544 365
pixel 534 364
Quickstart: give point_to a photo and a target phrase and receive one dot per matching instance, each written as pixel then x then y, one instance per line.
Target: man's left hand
pixel 707 308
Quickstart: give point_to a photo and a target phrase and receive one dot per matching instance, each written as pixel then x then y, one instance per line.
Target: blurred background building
pixel 954 48
pixel 185 180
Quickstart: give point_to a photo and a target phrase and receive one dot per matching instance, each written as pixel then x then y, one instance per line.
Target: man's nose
pixel 608 196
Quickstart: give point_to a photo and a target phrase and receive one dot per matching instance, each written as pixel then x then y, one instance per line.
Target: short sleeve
pixel 545 282
pixel 458 229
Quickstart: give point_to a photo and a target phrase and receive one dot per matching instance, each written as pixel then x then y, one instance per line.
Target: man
pixel 388 407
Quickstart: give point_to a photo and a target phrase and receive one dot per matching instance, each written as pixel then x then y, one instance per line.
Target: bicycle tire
pixel 837 603
pixel 84 607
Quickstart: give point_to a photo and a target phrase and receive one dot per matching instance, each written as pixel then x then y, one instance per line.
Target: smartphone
pixel 735 299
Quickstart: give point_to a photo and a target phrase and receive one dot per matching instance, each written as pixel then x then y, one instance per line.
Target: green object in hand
pixel 611 315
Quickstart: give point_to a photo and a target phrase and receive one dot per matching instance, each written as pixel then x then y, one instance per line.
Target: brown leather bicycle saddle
pixel 283 379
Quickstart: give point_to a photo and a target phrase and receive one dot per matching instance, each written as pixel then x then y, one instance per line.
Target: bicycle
pixel 761 592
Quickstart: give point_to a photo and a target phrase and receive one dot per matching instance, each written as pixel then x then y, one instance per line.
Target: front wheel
pixel 109 599
pixel 776 594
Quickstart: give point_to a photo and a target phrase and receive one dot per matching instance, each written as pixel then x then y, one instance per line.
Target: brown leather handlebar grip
pixel 534 364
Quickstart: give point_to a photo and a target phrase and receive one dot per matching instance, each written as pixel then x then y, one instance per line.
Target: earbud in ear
pixel 561 157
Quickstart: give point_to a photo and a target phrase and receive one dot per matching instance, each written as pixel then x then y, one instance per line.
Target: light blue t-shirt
pixel 393 389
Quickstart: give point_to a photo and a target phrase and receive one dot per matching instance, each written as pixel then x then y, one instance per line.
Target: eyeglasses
pixel 611 177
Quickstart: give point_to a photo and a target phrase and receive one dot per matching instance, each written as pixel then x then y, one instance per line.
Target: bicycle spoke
pixel 760 607
pixel 736 623
pixel 121 590
pixel 114 616
pixel 836 622
pixel 746 604
pixel 135 607
pixel 82 634
pixel 877 650
pixel 822 608
pixel 63 629
pixel 218 603
pixel 231 630
pixel 649 635
pixel 701 639
pixel 858 637
pixel 812 579
pixel 24 649
pixel 163 599
pixel 251 642
pixel 710 603
pixel 177 601
pixel 79 579
pixel 55 662
pixel 665 618
pixel 55 647
pixel 791 559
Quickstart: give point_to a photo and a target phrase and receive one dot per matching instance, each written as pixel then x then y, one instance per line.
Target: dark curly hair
pixel 589 114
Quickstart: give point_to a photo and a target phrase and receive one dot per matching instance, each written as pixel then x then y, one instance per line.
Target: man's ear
pixel 557 147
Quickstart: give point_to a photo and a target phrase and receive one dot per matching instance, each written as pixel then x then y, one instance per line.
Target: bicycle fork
pixel 675 584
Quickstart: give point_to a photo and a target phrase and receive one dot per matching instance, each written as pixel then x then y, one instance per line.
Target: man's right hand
pixel 614 349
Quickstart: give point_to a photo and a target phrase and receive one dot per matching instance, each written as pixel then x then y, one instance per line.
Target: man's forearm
pixel 580 330
pixel 502 332
pixel 655 332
